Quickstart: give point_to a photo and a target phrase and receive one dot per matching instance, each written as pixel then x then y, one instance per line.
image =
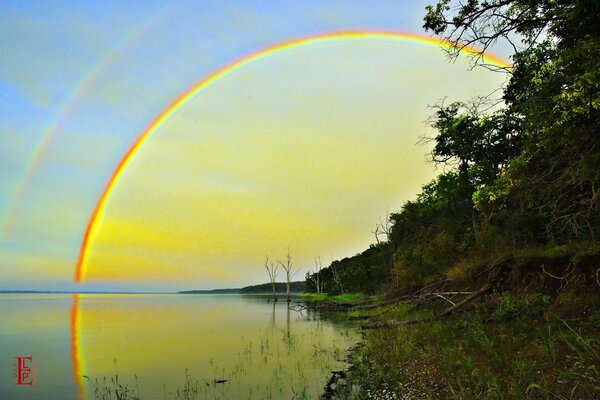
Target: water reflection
pixel 36 326
pixel 75 359
pixel 231 346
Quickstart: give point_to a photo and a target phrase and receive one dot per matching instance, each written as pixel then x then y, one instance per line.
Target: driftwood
pixel 431 287
pixel 472 297
pixel 418 300
pixel 426 297
pixel 415 296
pixel 497 273
pixel 392 323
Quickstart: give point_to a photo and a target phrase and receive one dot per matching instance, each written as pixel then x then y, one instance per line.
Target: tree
pixel 271 268
pixel 384 228
pixel 289 274
pixel 554 90
pixel 336 274
pixel 315 275
pixel 480 24
pixel 477 144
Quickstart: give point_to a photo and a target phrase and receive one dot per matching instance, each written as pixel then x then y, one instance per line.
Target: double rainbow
pixel 212 78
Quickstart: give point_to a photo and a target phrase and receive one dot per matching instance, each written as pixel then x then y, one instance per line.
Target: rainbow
pixel 69 104
pixel 219 74
pixel 76 357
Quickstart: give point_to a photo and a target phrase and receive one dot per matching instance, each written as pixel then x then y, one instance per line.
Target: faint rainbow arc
pixel 210 79
pixel 66 107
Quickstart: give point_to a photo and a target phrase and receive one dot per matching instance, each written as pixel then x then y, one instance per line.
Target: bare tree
pixel 316 274
pixel 384 227
pixel 289 274
pixel 335 271
pixel 271 268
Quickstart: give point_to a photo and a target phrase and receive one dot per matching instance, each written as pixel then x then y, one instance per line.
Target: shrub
pixel 521 306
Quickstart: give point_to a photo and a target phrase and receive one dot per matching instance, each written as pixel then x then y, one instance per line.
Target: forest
pixel 520 175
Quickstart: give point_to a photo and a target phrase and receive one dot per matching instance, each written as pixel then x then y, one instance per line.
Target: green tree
pixel 554 91
pixel 477 144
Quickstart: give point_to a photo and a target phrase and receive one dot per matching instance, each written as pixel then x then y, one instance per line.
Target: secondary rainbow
pixel 210 79
pixel 68 106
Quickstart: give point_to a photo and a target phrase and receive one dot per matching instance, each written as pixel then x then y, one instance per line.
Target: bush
pixel 520 305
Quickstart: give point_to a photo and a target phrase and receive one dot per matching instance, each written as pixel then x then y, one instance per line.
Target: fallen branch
pixel 469 299
pixel 427 296
pixel 569 274
pixel 432 286
pixel 497 263
pixel 451 293
pixel 407 299
pixel 393 323
pixel 414 296
pixel 442 297
pixel 298 307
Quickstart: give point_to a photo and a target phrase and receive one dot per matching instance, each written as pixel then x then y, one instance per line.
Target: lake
pixel 165 346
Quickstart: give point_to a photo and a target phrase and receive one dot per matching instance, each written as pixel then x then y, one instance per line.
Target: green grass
pixel 113 389
pixel 473 356
pixel 340 298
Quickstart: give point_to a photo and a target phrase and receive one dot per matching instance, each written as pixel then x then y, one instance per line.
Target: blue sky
pixel 94 74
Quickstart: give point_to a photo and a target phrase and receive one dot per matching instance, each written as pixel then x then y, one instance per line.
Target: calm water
pixel 161 344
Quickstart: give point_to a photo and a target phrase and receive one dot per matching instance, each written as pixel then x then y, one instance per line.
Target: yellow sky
pixel 306 149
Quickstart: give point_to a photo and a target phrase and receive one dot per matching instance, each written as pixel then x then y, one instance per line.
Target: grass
pixel 506 348
pixel 337 299
pixel 112 389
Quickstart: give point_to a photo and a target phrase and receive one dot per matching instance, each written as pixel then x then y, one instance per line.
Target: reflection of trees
pixel 288 338
pixel 288 323
pixel 272 324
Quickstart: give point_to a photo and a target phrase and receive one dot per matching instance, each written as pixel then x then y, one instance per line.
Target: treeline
pixel 280 287
pixel 519 174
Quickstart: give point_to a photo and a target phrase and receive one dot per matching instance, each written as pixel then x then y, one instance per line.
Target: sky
pixel 303 149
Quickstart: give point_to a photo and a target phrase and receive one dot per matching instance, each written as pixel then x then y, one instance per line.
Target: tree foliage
pixel 525 174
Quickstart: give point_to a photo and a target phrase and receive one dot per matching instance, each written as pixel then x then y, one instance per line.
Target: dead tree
pixel 271 268
pixel 316 274
pixel 384 228
pixel 335 272
pixel 289 274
